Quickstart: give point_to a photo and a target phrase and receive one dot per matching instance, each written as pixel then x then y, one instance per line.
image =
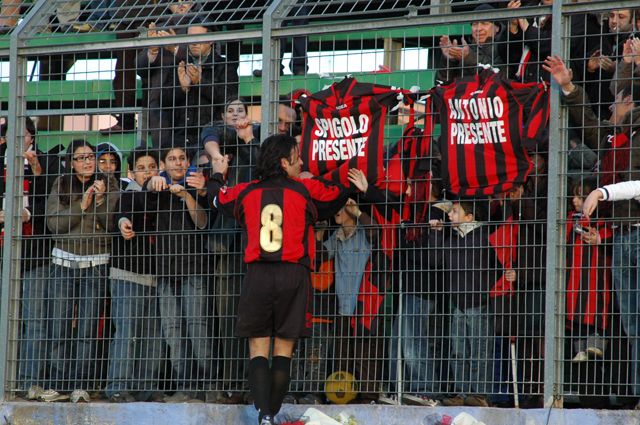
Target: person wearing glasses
pixel 79 214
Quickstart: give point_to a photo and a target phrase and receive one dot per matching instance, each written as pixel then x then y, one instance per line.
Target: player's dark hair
pixel 273 149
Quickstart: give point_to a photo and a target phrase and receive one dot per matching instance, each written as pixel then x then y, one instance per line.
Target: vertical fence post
pixel 12 225
pixel 11 251
pixel 270 68
pixel 554 348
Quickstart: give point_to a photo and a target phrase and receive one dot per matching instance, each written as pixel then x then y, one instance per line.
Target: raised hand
pixel 87 198
pixel 32 159
pixel 562 75
pixel 358 179
pixel 183 76
pixel 220 165
pixel 99 189
pixel 244 129
pixel 194 72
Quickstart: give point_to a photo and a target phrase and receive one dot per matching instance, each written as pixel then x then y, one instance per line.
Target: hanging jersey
pixel 343 128
pixel 405 173
pixel 278 214
pixel 487 125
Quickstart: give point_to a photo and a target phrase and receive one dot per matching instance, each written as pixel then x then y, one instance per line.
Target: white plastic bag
pixel 316 417
pixel 466 419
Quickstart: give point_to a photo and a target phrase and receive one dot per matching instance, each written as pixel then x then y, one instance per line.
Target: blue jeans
pixel 137 348
pixel 414 334
pixel 626 283
pixel 472 345
pixel 74 357
pixel 185 315
pixel 34 349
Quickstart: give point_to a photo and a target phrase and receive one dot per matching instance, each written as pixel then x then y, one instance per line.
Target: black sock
pixel 280 370
pixel 260 384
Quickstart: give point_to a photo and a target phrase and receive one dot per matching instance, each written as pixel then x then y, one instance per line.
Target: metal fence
pixel 414 303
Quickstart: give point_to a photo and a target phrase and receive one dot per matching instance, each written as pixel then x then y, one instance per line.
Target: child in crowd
pixel 183 293
pixel 136 351
pixel 360 280
pixel 110 162
pixel 470 270
pixel 588 278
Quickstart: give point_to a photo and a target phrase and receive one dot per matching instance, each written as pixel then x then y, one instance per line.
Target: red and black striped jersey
pixel 343 127
pixel 277 216
pixel 487 125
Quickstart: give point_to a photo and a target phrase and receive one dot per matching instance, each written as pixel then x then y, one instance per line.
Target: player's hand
pixel 358 179
pixel 305 175
pixel 591 203
pixel 510 275
pixel 157 184
pixel 220 164
pixel 126 229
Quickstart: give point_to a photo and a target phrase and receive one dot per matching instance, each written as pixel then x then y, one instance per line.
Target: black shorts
pixel 275 301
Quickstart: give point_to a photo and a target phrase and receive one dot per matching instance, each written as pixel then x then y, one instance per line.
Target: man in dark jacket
pixel 204 82
pixel 485 47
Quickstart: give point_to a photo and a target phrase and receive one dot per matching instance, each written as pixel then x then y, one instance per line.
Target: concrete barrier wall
pixel 21 413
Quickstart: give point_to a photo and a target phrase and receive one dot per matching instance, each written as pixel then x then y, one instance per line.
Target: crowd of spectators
pixel 130 285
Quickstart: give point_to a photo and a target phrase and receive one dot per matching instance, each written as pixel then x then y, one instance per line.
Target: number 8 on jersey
pixel 271 230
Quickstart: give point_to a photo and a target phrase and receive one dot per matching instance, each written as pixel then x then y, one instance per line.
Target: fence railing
pixel 406 302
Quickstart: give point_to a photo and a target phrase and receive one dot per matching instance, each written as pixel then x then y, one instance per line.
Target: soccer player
pixel 276 212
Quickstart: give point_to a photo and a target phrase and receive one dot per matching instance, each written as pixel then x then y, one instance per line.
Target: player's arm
pixel 327 196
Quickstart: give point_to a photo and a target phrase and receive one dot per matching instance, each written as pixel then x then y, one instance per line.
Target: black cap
pixel 484 6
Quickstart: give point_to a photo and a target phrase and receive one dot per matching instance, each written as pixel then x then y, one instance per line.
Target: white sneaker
pixel 34 392
pixel 595 352
pixel 387 399
pixel 580 357
pixel 419 400
pixel 80 395
pixel 52 395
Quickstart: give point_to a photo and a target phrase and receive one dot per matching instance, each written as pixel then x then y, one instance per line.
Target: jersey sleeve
pixel 328 197
pixel 224 198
